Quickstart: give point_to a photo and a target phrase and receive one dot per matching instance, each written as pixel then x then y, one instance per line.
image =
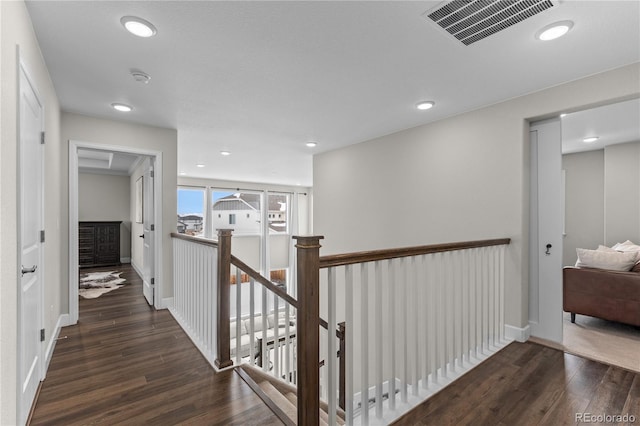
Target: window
pixel 278 213
pixel 191 211
pixel 241 209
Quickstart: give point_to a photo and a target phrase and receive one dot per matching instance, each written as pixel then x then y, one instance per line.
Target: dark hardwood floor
pixel 530 384
pixel 124 363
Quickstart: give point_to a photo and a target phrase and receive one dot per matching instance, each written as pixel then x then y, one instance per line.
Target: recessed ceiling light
pixel 138 26
pixel 311 144
pixel 121 107
pixel 182 173
pixel 590 139
pixel 225 153
pixel 424 105
pixel 200 165
pixel 555 30
pixel 140 76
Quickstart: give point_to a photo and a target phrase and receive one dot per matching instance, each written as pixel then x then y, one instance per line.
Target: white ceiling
pixel 262 78
pixel 106 162
pixel 612 124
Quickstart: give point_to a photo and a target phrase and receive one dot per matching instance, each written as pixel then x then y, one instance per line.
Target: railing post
pixel 308 252
pixel 342 376
pixel 223 359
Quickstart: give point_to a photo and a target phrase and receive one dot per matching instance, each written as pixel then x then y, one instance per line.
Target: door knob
pixel 548 248
pixel 141 236
pixel 29 270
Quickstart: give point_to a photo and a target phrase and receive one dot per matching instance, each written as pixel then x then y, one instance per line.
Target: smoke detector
pixel 140 76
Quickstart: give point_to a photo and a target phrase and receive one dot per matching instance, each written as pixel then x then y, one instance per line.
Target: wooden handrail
pixel 262 280
pixel 375 255
pixel 192 239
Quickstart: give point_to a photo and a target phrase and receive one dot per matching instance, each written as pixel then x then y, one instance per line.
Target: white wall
pixel 16 30
pixel 584 202
pixel 622 193
pixel 106 197
pixel 461 178
pixel 82 128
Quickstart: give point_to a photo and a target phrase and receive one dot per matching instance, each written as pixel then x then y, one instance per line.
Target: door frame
pixel 74 145
pixel 21 403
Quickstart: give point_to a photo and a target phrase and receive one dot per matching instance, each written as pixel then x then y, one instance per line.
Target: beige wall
pixel 106 197
pixel 602 198
pixel 584 202
pixel 86 129
pixel 461 178
pixel 622 193
pixel 16 30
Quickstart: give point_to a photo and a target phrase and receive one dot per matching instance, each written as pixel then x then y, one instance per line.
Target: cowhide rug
pixel 95 284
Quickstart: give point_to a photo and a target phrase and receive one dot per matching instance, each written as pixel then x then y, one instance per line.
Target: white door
pixel 30 275
pixel 148 226
pixel 545 279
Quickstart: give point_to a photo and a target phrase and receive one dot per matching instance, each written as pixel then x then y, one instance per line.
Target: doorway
pixel 581 217
pixel 154 197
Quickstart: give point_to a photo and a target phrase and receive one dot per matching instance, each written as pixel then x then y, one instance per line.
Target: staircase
pixel 280 397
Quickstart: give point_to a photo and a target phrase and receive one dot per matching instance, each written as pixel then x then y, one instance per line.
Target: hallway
pixel 124 363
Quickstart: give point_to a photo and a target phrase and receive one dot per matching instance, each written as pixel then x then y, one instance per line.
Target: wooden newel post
pixel 223 359
pixel 308 251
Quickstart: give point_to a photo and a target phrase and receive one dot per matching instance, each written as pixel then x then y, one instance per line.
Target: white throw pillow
pixel 605 248
pixel 614 261
pixel 626 246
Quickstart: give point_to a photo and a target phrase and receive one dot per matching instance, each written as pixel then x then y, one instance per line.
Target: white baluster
pixel 238 314
pixel 378 336
pixel 350 343
pixel 331 346
pixel 364 342
pixel 392 285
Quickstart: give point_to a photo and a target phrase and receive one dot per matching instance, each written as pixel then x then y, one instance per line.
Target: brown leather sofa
pixel 610 295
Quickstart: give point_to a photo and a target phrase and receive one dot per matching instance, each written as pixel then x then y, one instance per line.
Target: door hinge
pixel 42 138
pixel 42 334
pixel 42 236
pixel 153 227
pixel 152 173
pixel 153 280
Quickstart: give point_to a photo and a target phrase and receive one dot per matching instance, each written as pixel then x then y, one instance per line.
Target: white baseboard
pixel 137 268
pixel 125 260
pixel 63 321
pixel 516 333
pixel 167 303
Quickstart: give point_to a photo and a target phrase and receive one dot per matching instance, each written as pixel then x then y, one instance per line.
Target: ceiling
pixel 260 79
pixel 612 124
pixel 107 162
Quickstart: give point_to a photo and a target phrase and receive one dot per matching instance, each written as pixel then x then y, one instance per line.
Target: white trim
pixel 137 268
pixel 516 333
pixel 167 303
pixel 63 321
pixel 125 260
pixel 73 218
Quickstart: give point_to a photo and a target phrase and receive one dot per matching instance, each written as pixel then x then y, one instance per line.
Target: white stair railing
pixel 195 291
pixel 416 319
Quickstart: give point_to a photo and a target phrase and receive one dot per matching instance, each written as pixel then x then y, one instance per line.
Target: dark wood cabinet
pixel 99 244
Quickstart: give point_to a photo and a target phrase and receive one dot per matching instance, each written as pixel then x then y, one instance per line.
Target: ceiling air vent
pixel 472 20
